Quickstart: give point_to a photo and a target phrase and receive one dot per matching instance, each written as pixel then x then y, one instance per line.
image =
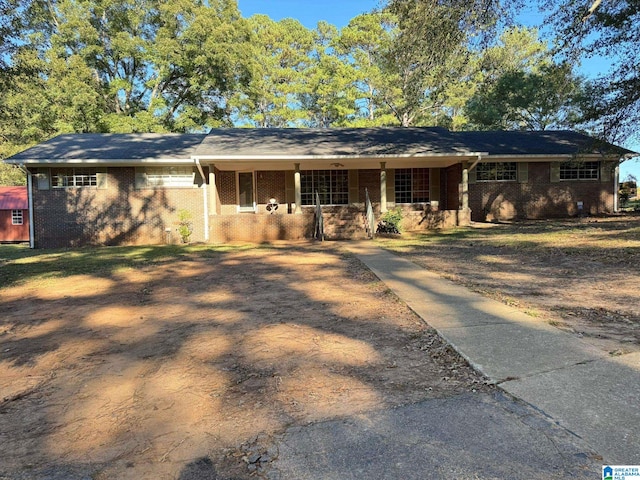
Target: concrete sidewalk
pixel 586 391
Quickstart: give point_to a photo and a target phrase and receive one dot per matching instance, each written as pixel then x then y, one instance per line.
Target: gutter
pixel 373 156
pixel 205 199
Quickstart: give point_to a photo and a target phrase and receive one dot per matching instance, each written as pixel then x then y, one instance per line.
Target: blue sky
pixel 339 12
pixel 309 13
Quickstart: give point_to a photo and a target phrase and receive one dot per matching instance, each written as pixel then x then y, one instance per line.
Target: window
pixel 164 177
pixel 16 217
pixel 497 172
pixel 579 170
pixel 73 177
pixel 412 185
pixel 332 186
pixel 245 192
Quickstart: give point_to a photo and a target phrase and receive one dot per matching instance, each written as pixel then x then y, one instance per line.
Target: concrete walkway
pixel 585 390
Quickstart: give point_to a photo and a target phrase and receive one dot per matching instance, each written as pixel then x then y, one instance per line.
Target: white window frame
pixel 309 197
pixel 17 217
pixel 580 171
pixel 74 177
pixel 165 176
pixel 416 196
pixel 497 172
pixel 254 207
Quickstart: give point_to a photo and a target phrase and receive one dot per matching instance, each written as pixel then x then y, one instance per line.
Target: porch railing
pixel 319 223
pixel 370 223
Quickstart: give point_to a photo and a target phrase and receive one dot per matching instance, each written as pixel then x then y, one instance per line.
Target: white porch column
pixel 213 191
pixel 383 187
pixel 205 199
pixel 465 186
pixel 298 189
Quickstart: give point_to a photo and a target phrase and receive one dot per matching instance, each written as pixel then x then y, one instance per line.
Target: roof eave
pixel 99 161
pixel 547 156
pixel 272 157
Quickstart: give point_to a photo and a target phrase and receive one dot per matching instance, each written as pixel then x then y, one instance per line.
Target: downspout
pixel 205 199
pixel 29 205
pixel 473 165
pixel 616 187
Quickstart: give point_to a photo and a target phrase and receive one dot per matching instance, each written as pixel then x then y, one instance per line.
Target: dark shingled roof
pixel 366 142
pixel 357 142
pixel 370 142
pixel 113 146
pixel 548 142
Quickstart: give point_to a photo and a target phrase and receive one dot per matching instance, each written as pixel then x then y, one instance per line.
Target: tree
pixel 11 175
pixel 609 29
pixel 330 93
pixel 155 65
pixel 279 55
pixel 417 63
pixel 429 51
pixel 517 49
pixel 527 100
pixel 7 14
pixel 47 97
pixel 628 188
pixel 362 44
pixel 201 56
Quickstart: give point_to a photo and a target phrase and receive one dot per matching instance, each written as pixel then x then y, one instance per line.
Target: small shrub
pixel 624 197
pixel 390 221
pixel 185 225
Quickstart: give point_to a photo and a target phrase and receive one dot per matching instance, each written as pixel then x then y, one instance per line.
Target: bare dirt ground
pixel 581 275
pixel 156 370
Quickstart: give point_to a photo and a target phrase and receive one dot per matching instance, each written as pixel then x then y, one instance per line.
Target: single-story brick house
pixel 14 214
pixel 261 184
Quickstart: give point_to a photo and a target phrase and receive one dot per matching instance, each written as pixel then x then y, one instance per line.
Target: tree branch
pixel 593 8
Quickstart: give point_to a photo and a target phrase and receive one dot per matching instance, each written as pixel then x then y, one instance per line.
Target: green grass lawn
pixel 19 263
pixel 631 206
pixel 597 238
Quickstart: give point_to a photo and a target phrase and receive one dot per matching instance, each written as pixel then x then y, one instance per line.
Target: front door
pixel 246 201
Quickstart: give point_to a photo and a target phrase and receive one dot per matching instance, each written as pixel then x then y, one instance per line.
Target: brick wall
pixel 249 227
pixel 420 220
pixel 344 222
pixel 450 187
pixel 122 214
pixel 226 185
pixel 538 197
pixel 370 179
pixel 119 214
pixel 270 184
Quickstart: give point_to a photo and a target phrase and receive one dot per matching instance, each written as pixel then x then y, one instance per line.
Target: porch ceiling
pixel 335 162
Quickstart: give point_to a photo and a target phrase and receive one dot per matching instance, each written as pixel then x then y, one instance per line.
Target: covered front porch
pixel 261 200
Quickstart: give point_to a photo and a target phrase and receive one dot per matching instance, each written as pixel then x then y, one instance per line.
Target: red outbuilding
pixel 14 214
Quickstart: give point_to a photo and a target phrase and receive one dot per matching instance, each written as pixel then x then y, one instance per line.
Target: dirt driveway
pixel 140 369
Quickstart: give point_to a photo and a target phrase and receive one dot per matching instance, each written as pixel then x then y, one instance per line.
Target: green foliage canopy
pixel 520 100
pixel 187 65
pixel 609 30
